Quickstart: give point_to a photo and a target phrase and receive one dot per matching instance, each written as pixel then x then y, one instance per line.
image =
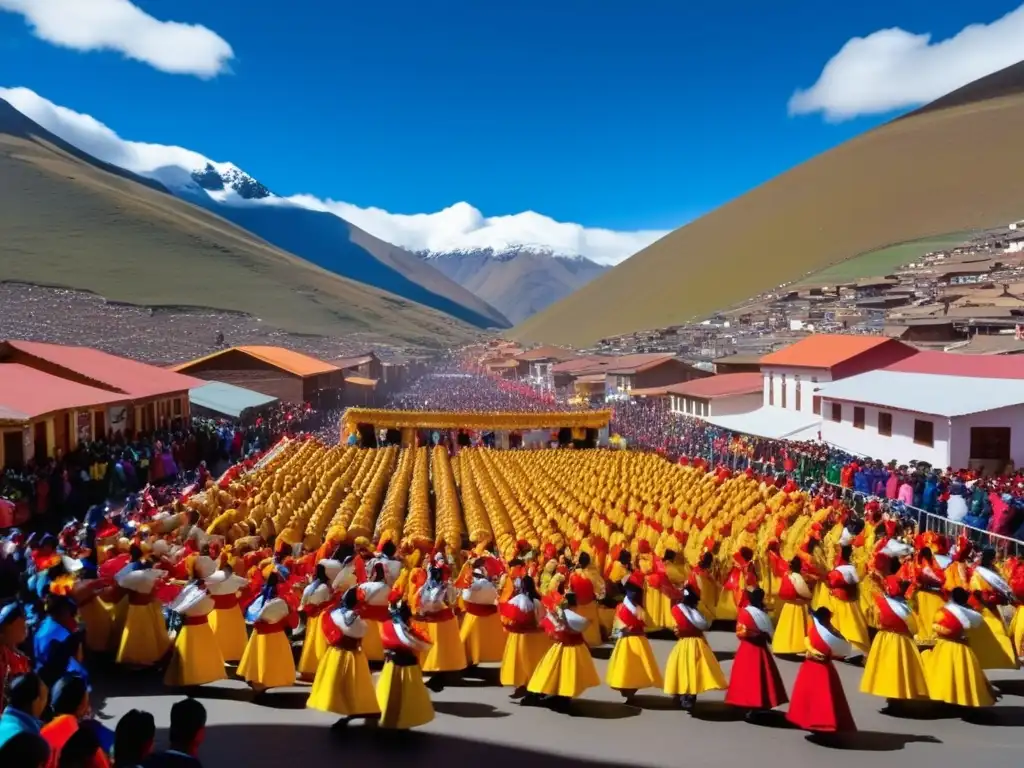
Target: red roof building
pixel 40 413
pixel 723 395
pixel 976 366
pixel 153 396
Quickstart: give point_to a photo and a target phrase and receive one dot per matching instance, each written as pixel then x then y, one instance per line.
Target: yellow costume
pixel 401 695
pixel 567 668
pixel 481 632
pixel 894 668
pixel 144 639
pixel 990 640
pixel 951 668
pixel 632 665
pixel 196 659
pixel 526 643
pixel 315 599
pixel 226 619
pixel 692 667
pixel 790 636
pixel 446 652
pixel 343 684
pixel 267 661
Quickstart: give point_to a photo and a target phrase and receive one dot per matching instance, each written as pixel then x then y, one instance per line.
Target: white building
pixel 947 421
pixel 723 395
pixel 790 407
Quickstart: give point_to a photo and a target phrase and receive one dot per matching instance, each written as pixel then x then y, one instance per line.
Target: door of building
pixel 14 450
pixel 990 446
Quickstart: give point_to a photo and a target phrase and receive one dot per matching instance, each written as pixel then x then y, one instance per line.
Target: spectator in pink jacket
pixel 906 493
pixel 892 486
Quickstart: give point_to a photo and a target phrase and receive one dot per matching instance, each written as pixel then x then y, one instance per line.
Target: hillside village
pixel 967 299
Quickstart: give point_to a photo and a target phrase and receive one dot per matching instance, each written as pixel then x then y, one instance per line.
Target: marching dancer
pixel 196 658
pixel 446 653
pixel 894 668
pixel 144 639
pixel 402 697
pixel 267 661
pixel 374 608
pixel 847 616
pixel 795 596
pixel 818 702
pixel 990 640
pixel 481 630
pixel 741 579
pixel 692 667
pixel 632 665
pixel 343 685
pixel 951 668
pixel 316 598
pixel 754 682
pixel 226 618
pixel 567 669
pixel 527 642
pixel 586 583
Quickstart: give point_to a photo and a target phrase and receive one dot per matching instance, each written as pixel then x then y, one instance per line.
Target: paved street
pixel 476 721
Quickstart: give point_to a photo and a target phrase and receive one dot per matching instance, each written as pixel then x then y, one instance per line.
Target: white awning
pixel 771 422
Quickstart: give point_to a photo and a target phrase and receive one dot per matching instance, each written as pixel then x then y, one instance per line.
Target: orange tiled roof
pixel 295 363
pixel 824 350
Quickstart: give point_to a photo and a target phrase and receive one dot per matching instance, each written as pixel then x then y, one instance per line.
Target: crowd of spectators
pixel 451 388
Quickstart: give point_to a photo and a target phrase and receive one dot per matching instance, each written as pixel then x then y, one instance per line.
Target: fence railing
pixel 929 521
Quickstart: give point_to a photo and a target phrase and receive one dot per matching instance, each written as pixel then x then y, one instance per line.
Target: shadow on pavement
pixel 602 710
pixel 869 741
pixel 725 655
pixel 602 652
pixel 468 709
pixel 1008 716
pixel 1009 687
pixel 275 745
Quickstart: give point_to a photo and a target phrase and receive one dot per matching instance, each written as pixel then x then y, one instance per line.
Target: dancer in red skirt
pixel 818 702
pixel 754 683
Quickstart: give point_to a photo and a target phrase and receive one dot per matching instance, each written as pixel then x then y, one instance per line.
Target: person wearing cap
pixel 13 633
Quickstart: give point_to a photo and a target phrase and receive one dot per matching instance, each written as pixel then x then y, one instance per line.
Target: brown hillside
pixel 69 220
pixel 940 170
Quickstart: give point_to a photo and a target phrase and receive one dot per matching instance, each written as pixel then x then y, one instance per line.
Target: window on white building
pixel 885 424
pixel 858 417
pixel 837 412
pixel 924 433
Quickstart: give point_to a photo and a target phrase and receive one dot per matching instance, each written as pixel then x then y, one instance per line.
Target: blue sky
pixel 633 115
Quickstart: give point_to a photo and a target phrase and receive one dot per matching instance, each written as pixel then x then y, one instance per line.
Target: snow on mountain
pixel 460 227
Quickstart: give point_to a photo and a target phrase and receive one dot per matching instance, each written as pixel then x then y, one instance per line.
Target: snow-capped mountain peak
pixel 219 177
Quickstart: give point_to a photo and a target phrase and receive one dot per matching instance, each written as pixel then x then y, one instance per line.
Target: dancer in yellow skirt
pixel 894 668
pixel 951 668
pixel 666 585
pixel 1016 630
pixel 316 598
pixel 692 667
pixel 844 602
pixel 632 665
pixel 587 584
pixel 144 639
pixel 928 580
pixel 267 661
pixel 990 640
pixel 481 632
pixel 527 642
pixel 343 685
pixel 196 658
pixel 703 582
pixel 741 578
pixel 402 697
pixel 374 609
pixel 567 669
pixel 795 594
pixel 226 618
pixel 446 654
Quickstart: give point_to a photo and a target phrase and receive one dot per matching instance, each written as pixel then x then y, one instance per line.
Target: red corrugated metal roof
pixel 725 385
pixel 27 393
pixel 119 374
pixel 352 362
pixel 824 350
pixel 978 366
pixel 546 352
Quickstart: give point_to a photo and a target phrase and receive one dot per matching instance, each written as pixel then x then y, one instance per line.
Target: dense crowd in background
pixel 450 388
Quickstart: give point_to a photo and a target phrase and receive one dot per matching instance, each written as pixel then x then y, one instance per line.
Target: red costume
pixel 818 702
pixel 755 682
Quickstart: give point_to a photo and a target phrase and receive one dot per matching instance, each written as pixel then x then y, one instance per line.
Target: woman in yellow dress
pixel 692 667
pixel 481 632
pixel 144 640
pixel 268 661
pixel 632 665
pixel 928 580
pixel 703 581
pixel 667 583
pixel 894 668
pixel 446 653
pixel 795 595
pixel 990 640
pixel 374 609
pixel 527 642
pixel 196 658
pixel 567 669
pixel 226 619
pixel 316 598
pixel 951 668
pixel 844 602
pixel 742 576
pixel 402 697
pixel 343 685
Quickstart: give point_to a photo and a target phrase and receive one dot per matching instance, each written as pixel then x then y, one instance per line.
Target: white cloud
pixel 894 69
pixel 119 25
pixel 460 226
